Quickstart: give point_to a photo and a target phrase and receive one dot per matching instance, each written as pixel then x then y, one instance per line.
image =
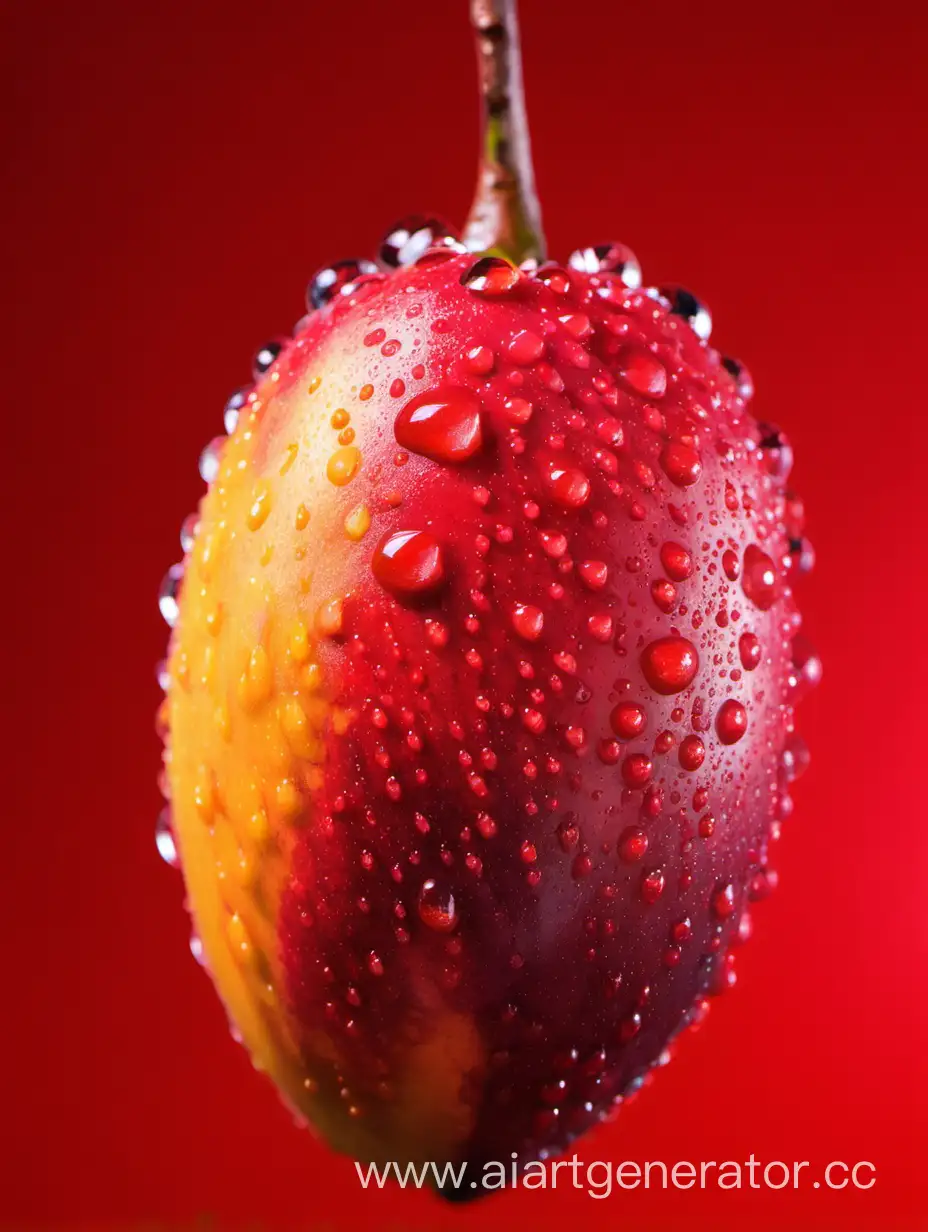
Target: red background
pixel 176 171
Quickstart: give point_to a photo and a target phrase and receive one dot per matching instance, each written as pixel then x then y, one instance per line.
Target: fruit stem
pixel 505 216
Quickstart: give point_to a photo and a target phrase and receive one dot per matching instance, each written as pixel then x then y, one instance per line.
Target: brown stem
pixel 505 215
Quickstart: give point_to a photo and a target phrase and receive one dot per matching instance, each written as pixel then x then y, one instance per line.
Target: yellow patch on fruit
pixel 253 712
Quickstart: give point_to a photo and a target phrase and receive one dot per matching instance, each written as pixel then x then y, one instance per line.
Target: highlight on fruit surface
pixel 478 717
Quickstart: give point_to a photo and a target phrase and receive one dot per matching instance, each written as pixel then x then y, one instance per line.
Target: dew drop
pixel 525 348
pixel 677 562
pixel 553 543
pixel 642 372
pixel 265 356
pixel 731 565
pixel 408 562
pixel 188 531
pixel 796 758
pixel 652 886
pixel 233 409
pixel 568 485
pixel 723 901
pixel 554 277
pixel 259 509
pixel 437 907
pixel 168 594
pixel 776 453
pixel 681 464
pixel 731 721
pixel 749 650
pixel 211 459
pixel 492 277
pixel 684 304
pixel 528 622
pixel 357 523
pixel 628 720
pixel 744 385
pixel 332 279
pixel 164 839
pixel 691 753
pixel 637 769
pixel 806 664
pixel 479 359
pixel 601 626
pixel 443 424
pixel 411 237
pixel 343 465
pixel 633 845
pixel 518 410
pixel 759 578
pixel 801 556
pixel 593 573
pixel 664 594
pixel 670 664
pixel 581 867
pixel 611 258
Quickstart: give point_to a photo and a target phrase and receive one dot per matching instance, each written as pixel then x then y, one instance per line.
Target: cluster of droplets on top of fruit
pixel 479 713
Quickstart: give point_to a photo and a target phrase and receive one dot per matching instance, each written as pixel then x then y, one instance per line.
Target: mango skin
pixel 342 757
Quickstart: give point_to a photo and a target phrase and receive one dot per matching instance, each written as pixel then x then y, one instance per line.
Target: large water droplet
pixel 167 595
pixel 343 465
pixel 807 666
pixel 692 752
pixel 633 844
pixel 232 410
pixel 525 348
pixel 164 839
pixel 408 239
pixel 408 562
pixel 723 901
pixel 637 769
pixel 749 650
pixel 553 276
pixel 211 459
pixel 265 356
pixel 628 720
pixel 328 282
pixel 775 450
pixel 684 304
pixel 744 384
pixel 759 578
pixel 652 886
pixel 611 258
pixel 568 485
pixel 801 556
pixel 188 531
pixel 442 424
pixel 670 664
pixel 492 277
pixel 731 722
pixel 642 372
pixel 676 560
pixel 528 621
pixel 681 464
pixel 796 757
pixel 437 908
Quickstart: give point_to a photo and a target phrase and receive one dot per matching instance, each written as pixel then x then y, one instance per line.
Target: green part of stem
pixel 505 217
